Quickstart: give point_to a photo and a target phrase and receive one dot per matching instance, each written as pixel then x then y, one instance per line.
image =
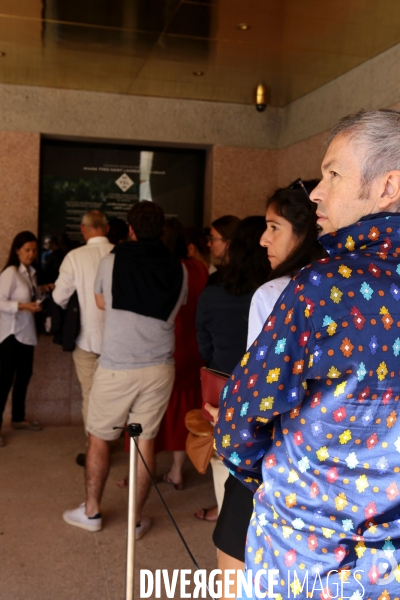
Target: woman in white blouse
pixel 19 300
pixel 290 238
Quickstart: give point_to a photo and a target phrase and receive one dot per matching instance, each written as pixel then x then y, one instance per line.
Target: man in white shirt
pixel 77 273
pixel 141 287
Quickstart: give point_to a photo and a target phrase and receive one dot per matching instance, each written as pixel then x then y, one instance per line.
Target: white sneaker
pixel 78 518
pixel 142 528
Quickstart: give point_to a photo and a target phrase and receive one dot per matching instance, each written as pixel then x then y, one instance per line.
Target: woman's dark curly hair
pixel 292 204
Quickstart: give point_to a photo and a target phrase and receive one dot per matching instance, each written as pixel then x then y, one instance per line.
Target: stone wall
pixel 19 190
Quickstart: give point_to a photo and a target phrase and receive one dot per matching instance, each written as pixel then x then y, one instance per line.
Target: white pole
pixel 130 554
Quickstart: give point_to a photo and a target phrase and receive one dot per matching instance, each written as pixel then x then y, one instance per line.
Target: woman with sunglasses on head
pixel 290 239
pixel 19 301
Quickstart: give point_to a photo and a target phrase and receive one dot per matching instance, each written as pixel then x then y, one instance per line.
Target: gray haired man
pixel 77 273
pixel 324 374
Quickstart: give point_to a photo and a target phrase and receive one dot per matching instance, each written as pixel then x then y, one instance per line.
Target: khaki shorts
pixel 133 396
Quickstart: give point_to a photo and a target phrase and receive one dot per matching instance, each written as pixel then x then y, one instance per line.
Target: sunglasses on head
pixel 298 184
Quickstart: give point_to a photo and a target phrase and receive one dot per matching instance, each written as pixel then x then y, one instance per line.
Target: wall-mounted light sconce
pixel 261 97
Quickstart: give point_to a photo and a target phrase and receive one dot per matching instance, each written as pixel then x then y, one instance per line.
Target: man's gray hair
pixel 376 134
pixel 95 219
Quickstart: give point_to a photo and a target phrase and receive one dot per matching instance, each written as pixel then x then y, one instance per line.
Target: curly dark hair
pixel 292 204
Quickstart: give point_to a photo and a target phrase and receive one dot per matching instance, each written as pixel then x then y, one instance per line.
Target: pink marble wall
pixel 239 180
pixel 301 160
pixel 242 178
pixel 19 190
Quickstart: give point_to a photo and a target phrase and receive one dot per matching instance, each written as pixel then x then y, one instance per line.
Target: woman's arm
pixel 7 286
pixel 262 304
pixel 270 380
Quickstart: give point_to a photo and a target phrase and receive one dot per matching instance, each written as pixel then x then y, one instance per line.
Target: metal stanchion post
pixel 134 430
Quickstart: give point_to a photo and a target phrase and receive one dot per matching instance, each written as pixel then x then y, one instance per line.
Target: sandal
pixel 178 486
pixel 203 512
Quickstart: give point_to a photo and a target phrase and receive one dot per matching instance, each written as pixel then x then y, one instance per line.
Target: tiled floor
pixel 43 558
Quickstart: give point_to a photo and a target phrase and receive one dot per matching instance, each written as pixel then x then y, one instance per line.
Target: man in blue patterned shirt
pixel 324 376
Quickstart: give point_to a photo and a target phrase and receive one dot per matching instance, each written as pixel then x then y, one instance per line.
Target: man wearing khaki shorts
pixel 77 274
pixel 141 287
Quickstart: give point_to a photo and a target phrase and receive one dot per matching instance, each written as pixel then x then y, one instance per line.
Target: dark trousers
pixel 16 362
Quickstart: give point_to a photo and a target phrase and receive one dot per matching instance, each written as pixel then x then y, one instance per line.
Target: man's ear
pixel 132 234
pixel 390 196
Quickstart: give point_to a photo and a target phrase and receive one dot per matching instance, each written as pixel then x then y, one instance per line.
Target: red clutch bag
pixel 212 384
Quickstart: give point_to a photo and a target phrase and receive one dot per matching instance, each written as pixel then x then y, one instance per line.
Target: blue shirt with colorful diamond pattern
pixel 324 376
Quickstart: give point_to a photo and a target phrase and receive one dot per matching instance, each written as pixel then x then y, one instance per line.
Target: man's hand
pixel 47 287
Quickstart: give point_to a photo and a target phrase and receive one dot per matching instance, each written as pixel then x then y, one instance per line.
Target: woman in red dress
pixel 186 393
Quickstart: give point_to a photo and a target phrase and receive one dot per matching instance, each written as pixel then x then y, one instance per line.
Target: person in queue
pixel 186 392
pixel 290 239
pixel 77 274
pixel 140 285
pixel 220 306
pixel 198 247
pixel 324 374
pixel 19 301
pixel 221 234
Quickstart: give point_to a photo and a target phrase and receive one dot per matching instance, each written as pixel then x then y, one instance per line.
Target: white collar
pixel 23 269
pixel 98 239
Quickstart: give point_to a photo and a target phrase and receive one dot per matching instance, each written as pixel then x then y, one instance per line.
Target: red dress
pixel 186 393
